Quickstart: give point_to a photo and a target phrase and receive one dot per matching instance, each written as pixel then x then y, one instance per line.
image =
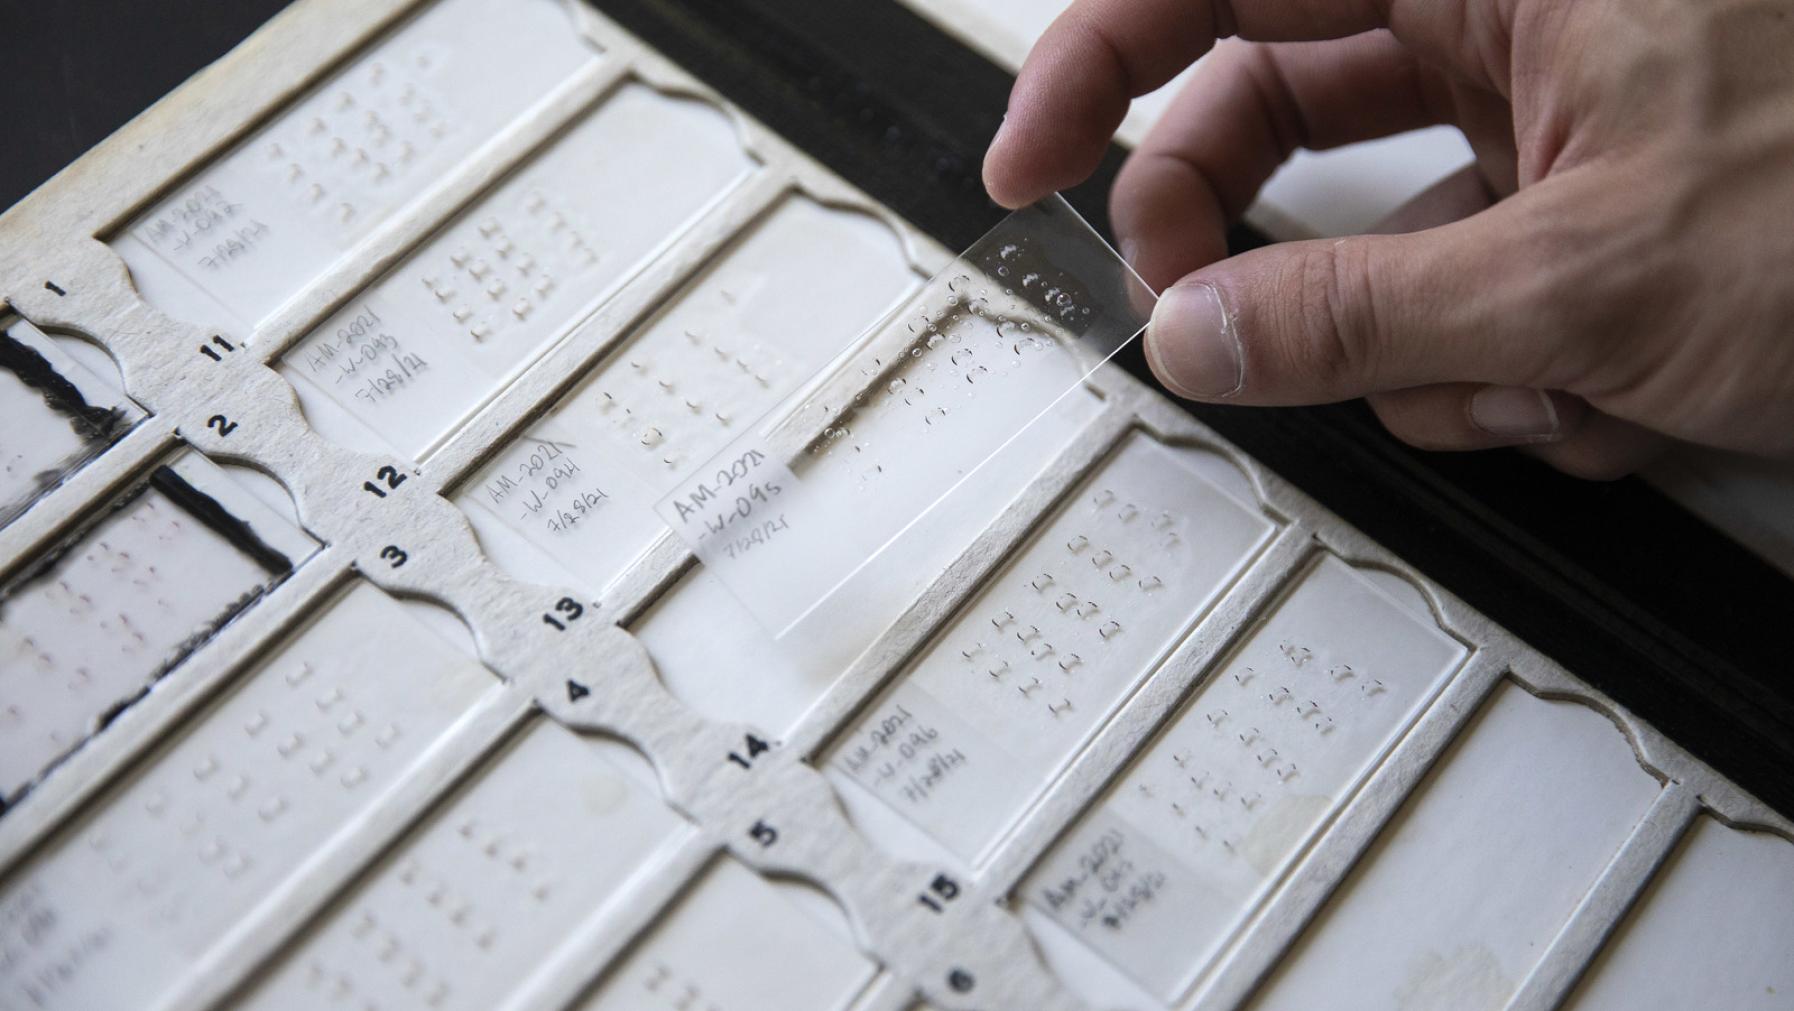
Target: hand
pixel 1615 271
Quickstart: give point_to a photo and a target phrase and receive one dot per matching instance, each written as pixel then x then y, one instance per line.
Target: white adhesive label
pixel 739 942
pixel 997 706
pixel 115 911
pixel 462 913
pixel 405 361
pixel 262 223
pixel 1198 831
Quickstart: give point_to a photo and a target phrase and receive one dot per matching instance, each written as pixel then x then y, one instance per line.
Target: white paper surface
pixel 113 912
pixel 1212 814
pixel 460 915
pixel 573 500
pixel 1464 891
pixel 739 942
pixel 1000 702
pixel 1715 930
pixel 259 225
pixel 408 358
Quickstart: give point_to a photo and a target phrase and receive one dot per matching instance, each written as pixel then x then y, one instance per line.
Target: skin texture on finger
pixel 1329 320
pixel 1248 108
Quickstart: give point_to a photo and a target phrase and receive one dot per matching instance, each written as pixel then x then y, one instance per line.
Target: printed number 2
pixel 390 475
pixel 567 606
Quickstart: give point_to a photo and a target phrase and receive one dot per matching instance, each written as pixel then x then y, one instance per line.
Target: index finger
pixel 1074 88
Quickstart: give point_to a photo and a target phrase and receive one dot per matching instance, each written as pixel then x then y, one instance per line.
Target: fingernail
pixel 1515 412
pixel 1193 343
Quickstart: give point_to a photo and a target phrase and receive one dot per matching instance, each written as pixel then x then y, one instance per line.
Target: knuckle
pixel 1333 342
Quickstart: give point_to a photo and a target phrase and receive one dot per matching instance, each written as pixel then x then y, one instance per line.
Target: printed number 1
pixel 212 353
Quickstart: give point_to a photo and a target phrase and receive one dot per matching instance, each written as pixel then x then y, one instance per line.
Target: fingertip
pixel 1016 173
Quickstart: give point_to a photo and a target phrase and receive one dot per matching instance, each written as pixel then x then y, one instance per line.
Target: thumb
pixel 1333 319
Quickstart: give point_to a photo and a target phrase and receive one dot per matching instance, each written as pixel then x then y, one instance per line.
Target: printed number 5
pixel 567 606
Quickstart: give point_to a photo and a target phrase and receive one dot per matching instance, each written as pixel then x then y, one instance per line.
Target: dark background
pixel 1624 588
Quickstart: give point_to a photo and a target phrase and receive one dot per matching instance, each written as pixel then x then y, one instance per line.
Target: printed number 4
pixel 567 606
pixel 390 475
pixel 755 748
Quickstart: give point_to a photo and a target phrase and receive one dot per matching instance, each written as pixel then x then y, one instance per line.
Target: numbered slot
pixel 1189 842
pixel 93 625
pixel 57 413
pixel 700 635
pixel 737 941
pixel 260 225
pixel 1000 703
pixel 1715 929
pixel 461 914
pixel 573 500
pixel 115 911
pixel 406 360
pixel 1463 893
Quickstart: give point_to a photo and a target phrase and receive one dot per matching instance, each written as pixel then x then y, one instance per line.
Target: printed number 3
pixel 393 554
pixel 567 606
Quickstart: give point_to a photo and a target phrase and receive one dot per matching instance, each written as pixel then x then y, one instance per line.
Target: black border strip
pixel 1625 589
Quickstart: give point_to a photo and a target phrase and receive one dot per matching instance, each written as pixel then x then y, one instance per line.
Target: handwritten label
pixel 364 356
pixel 1107 887
pixel 206 225
pixel 736 498
pixel 902 756
pixel 542 482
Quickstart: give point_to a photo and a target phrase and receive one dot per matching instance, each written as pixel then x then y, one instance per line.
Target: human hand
pixel 1614 272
